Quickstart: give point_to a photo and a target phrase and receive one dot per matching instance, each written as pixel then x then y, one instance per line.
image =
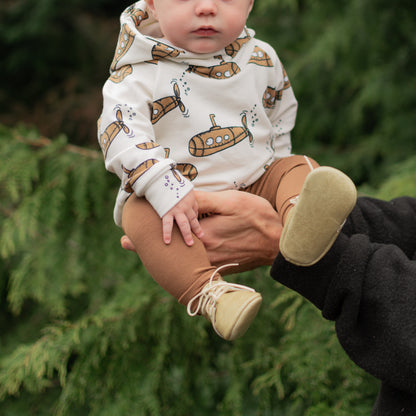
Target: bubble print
pixel 172 186
pixel 128 112
pixel 253 116
pixel 184 84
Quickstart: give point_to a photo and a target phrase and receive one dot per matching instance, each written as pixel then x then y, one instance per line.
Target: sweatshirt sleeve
pixel 282 113
pixel 131 151
pixel 367 285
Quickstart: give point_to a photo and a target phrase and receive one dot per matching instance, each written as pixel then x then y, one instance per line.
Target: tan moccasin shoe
pixel 229 307
pixel 327 198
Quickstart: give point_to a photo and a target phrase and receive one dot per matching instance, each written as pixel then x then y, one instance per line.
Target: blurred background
pixel 85 331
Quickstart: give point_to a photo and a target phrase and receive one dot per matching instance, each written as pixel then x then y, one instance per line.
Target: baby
pixel 195 101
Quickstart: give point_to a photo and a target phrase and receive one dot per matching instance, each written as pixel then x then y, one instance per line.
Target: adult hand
pixel 241 228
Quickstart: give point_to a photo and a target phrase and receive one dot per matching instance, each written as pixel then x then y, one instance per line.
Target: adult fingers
pixel 126 243
pixel 196 227
pixel 215 202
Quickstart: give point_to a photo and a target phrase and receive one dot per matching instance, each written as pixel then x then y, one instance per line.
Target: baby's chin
pixel 204 48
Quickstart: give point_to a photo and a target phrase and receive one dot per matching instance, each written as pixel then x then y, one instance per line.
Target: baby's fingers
pixel 167 226
pixel 185 229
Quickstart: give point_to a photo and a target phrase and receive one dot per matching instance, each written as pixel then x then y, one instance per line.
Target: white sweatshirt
pixel 173 120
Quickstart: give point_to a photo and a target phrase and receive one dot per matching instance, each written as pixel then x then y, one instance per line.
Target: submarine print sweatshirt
pixel 173 120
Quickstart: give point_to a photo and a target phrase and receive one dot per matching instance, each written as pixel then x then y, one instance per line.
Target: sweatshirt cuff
pixel 166 190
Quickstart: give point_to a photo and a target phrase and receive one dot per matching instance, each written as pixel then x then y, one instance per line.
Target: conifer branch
pixel 43 141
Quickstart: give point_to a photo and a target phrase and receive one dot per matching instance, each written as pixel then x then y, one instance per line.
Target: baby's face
pixel 201 26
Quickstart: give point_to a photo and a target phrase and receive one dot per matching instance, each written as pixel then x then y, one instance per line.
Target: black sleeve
pixel 367 285
pixel 385 222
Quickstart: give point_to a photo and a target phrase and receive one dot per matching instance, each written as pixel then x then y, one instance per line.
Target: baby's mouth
pixel 205 31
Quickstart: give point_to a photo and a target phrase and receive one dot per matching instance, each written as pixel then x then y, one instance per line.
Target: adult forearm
pixel 368 289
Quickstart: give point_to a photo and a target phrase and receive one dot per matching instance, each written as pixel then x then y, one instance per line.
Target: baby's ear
pixel 151 7
pixel 250 6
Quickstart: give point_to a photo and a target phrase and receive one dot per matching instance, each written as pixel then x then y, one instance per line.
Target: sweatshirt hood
pixel 140 40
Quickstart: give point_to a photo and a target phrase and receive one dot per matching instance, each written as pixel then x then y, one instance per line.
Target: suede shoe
pixel 327 198
pixel 229 307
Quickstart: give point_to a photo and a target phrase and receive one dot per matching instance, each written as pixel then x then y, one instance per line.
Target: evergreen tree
pixel 84 329
pixel 351 64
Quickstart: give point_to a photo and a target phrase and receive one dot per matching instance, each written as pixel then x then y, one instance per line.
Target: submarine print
pixel 218 138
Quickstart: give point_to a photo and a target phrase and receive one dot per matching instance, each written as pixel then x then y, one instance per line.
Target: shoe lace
pixel 294 200
pixel 209 295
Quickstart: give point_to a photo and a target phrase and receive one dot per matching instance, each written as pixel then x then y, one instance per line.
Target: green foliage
pixel 55 40
pixel 85 330
pixel 352 68
pixel 401 181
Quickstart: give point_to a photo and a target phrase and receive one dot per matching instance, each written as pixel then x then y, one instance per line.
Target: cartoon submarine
pixel 119 75
pixel 112 131
pixel 137 15
pixel 260 57
pixel 233 48
pixel 134 174
pixel 218 138
pixel 163 51
pixel 125 41
pixel 188 170
pixel 166 104
pixel 224 70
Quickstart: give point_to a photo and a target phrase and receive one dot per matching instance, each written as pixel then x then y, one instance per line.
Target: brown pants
pixel 183 271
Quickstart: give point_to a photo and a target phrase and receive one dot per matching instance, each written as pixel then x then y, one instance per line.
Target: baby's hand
pixel 185 213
